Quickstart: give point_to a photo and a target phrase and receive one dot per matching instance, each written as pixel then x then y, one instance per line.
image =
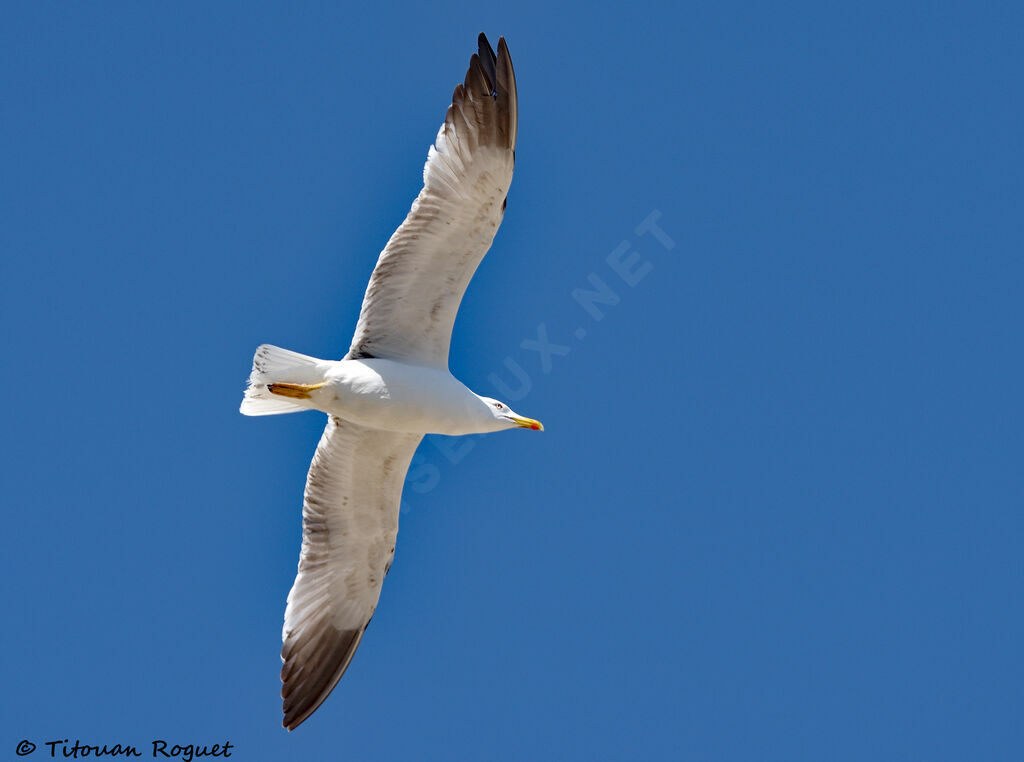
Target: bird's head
pixel 504 417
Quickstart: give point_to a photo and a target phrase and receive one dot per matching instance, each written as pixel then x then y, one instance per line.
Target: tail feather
pixel 255 403
pixel 272 365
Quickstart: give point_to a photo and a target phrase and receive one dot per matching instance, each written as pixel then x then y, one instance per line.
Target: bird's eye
pixel 498 405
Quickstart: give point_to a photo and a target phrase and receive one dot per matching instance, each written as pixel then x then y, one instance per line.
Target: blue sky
pixel 776 513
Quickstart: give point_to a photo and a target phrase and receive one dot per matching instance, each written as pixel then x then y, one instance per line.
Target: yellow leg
pixel 295 391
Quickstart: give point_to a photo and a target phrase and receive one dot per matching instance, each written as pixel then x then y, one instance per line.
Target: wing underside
pixel 417 285
pixel 349 525
pixel 353 492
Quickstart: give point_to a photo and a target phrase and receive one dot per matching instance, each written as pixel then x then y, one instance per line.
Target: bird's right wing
pixel 414 293
pixel 349 525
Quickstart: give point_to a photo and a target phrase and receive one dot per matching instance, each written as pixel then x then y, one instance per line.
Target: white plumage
pixel 393 386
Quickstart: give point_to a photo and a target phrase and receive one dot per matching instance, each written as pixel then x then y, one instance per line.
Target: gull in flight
pixel 393 386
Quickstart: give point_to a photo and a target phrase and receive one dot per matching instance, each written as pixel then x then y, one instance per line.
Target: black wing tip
pixel 486 52
pixel 492 72
pixel 485 49
pixel 329 658
pixel 477 75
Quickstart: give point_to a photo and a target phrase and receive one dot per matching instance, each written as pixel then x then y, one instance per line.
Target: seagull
pixel 393 386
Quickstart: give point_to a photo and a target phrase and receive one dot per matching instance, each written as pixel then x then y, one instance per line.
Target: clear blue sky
pixel 777 511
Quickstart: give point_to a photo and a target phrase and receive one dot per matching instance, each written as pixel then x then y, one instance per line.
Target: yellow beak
pixel 528 423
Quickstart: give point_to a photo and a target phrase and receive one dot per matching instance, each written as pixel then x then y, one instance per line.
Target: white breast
pixel 396 396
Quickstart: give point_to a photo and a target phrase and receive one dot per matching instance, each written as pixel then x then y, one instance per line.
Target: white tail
pixel 271 365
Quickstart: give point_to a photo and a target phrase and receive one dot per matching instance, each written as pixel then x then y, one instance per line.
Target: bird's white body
pixel 397 396
pixel 392 396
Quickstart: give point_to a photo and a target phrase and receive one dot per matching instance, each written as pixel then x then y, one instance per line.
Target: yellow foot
pixel 295 391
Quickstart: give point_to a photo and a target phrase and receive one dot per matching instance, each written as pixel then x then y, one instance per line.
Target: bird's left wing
pixel 415 290
pixel 349 525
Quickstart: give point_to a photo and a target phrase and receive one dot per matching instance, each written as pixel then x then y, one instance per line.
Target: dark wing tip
pixel 313 665
pixel 503 49
pixel 477 80
pixel 505 85
pixel 491 74
pixel 487 57
pixel 483 44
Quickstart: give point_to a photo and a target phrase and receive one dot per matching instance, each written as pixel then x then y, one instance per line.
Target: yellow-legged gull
pixel 393 386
